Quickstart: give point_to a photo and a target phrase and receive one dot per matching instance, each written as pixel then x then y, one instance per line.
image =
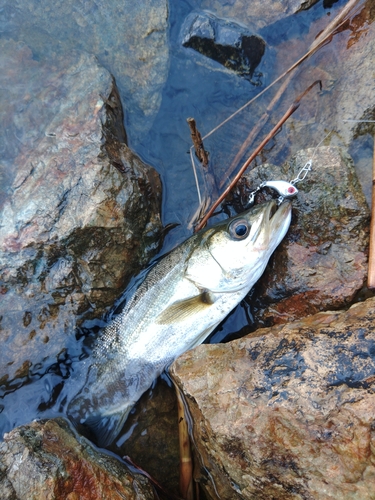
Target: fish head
pixel 233 254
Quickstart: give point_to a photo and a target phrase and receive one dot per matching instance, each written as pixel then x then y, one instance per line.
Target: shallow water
pixel 206 91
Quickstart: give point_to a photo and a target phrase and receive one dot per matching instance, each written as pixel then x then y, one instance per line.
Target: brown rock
pixel 46 460
pixel 287 412
pixel 80 211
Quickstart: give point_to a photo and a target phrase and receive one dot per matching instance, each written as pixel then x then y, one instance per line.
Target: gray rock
pixel 256 14
pixel 46 460
pixel 287 412
pixel 80 212
pixel 130 39
pixel 228 43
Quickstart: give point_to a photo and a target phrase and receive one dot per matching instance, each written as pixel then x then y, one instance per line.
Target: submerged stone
pixel 228 43
pixel 286 412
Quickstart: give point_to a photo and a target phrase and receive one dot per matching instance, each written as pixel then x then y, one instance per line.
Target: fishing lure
pixel 284 189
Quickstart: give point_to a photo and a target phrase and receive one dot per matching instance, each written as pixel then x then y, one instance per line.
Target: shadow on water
pixel 203 89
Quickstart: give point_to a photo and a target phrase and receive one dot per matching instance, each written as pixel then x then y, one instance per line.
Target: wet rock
pixel 287 412
pixel 80 211
pixel 349 61
pixel 322 262
pixel 130 39
pixel 226 42
pixel 257 14
pixel 46 460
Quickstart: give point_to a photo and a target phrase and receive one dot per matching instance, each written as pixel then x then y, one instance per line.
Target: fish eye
pixel 239 229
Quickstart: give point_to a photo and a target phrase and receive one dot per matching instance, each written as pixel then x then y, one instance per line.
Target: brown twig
pixel 269 136
pixel 371 263
pixel 196 137
pixel 186 463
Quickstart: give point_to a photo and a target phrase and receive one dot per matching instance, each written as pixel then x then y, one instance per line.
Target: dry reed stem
pixel 186 462
pixel 371 263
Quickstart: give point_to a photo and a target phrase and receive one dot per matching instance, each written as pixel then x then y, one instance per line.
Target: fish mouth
pixel 281 210
pixel 278 217
pixel 271 210
pixel 272 226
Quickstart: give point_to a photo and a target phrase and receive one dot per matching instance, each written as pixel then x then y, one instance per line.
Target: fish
pixel 182 299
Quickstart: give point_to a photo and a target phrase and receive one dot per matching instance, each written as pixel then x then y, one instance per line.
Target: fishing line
pixel 195 175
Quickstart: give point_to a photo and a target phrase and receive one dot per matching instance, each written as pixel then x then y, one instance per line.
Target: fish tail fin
pixel 106 428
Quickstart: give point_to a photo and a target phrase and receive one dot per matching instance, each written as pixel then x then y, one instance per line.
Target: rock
pixel 80 212
pixel 348 60
pixel 286 412
pixel 322 262
pixel 46 460
pixel 256 15
pixel 226 42
pixel 130 39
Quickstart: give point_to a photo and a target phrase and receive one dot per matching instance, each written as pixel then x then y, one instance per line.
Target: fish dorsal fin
pixel 181 310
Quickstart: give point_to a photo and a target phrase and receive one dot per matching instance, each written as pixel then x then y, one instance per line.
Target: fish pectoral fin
pixel 106 427
pixel 181 310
